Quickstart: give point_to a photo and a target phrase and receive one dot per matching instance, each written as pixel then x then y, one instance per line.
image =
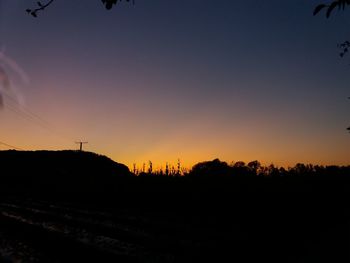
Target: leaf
pixel 343 3
pixel 34 14
pixel 331 8
pixel 109 3
pixel 318 9
pixel 28 11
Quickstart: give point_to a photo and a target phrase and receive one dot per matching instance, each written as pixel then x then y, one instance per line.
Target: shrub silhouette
pixel 211 168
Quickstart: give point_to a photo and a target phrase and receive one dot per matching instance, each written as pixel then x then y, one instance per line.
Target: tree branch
pixel 341 4
pixel 108 4
pixel 40 8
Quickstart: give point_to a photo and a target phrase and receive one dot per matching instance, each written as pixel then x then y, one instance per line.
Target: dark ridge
pixel 57 171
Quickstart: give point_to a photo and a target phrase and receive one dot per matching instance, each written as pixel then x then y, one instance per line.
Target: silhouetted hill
pixel 46 171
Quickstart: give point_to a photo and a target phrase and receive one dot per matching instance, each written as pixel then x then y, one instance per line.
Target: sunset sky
pixel 189 79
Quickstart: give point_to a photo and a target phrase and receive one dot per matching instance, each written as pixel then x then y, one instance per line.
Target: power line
pixel 11 146
pixel 23 115
pixel 14 105
pixel 28 115
pixel 25 112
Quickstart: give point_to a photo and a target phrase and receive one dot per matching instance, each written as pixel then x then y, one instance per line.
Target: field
pixel 241 228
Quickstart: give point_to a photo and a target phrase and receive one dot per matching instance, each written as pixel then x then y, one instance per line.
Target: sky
pixel 164 80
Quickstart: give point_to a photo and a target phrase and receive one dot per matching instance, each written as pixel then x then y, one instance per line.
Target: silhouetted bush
pixel 211 168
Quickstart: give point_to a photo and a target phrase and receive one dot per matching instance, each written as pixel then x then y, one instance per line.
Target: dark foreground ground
pixel 81 207
pixel 227 227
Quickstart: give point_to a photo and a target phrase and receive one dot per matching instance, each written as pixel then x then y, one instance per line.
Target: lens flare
pixel 12 76
pixel 4 85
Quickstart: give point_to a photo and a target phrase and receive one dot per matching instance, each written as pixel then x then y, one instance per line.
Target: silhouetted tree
pixel 239 164
pixel 150 167
pixel 254 166
pixel 282 171
pixel 134 168
pixel 211 168
pixel 167 169
pixel 341 5
pixel 178 172
pixel 272 171
pixel 239 168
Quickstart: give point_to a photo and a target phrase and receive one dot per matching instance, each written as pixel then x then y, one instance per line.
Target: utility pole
pixel 81 145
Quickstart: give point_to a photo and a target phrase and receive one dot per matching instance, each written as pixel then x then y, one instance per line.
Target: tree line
pixel 217 168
